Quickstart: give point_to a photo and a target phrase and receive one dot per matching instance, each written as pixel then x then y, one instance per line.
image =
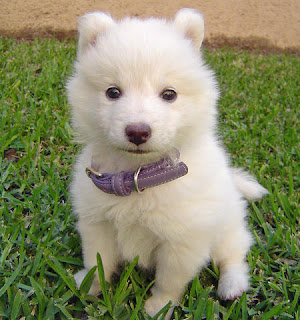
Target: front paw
pixel 154 304
pixel 95 287
pixel 233 283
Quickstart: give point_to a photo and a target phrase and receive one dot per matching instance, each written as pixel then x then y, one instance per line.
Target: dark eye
pixel 113 93
pixel 169 95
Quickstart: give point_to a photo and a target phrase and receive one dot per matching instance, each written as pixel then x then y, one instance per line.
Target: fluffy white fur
pixel 179 226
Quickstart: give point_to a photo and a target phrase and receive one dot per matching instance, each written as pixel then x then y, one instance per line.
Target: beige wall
pixel 268 23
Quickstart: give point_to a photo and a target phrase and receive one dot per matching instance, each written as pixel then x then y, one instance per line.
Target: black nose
pixel 138 133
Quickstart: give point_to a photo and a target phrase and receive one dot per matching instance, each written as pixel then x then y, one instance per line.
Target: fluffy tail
pixel 247 185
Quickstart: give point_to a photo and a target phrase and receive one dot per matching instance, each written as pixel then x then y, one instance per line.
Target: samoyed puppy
pixel 140 95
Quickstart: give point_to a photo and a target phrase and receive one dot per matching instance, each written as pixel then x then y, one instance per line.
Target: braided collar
pixel 147 176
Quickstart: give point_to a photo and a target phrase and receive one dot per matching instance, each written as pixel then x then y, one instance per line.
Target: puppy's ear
pixel 90 26
pixel 191 23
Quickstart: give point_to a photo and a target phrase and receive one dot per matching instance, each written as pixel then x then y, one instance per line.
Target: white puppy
pixel 140 89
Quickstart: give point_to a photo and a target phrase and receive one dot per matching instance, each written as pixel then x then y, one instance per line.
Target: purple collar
pixel 150 175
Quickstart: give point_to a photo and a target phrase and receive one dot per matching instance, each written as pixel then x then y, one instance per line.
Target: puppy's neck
pixel 113 160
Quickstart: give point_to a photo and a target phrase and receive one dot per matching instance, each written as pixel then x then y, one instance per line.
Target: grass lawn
pixel 39 247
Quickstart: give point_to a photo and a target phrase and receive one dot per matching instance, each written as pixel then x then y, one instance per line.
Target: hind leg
pixel 229 253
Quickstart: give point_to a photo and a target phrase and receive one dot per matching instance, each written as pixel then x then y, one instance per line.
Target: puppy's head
pixel 140 86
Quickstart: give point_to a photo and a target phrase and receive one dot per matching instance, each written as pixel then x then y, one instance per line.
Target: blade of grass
pixel 103 283
pixel 124 280
pixel 87 281
pixel 40 296
pixel 14 275
pixel 139 301
pixel 276 310
pixel 16 305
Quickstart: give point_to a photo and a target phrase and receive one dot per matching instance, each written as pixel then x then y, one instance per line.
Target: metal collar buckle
pixel 90 170
pixel 135 180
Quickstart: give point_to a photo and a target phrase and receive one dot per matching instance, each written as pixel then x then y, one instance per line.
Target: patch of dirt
pixel 253 24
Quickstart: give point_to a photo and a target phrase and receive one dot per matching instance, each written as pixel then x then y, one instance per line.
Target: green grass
pixel 39 247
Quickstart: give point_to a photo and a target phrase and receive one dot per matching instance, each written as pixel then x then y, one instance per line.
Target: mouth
pixel 138 151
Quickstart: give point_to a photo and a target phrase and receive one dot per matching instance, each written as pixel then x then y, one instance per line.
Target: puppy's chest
pixel 136 240
pixel 133 220
pixel 134 209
